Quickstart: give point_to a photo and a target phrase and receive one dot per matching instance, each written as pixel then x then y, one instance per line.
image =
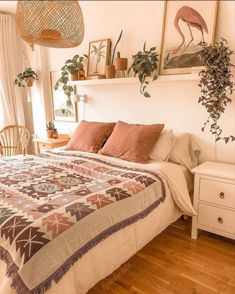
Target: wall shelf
pixel 132 80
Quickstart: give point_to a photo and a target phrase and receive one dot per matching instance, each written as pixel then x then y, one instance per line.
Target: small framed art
pixel 185 25
pixel 64 108
pixel 98 57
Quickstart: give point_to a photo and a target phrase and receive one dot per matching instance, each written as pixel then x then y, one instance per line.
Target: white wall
pixel 174 103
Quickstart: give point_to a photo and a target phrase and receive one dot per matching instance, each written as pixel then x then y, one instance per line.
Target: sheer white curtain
pixel 11 103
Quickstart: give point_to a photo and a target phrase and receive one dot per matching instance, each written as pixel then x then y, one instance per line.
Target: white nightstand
pixel 214 199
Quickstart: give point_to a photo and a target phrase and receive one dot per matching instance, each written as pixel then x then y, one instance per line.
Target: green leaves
pixel 114 50
pixel 216 84
pixel 144 65
pixel 24 76
pixel 70 67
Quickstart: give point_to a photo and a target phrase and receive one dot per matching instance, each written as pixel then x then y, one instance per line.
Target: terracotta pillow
pixel 132 142
pixel 90 136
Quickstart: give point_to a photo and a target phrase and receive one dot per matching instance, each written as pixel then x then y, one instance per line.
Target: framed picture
pixel 98 57
pixel 64 109
pixel 185 25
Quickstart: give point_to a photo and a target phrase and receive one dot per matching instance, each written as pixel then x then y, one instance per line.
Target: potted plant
pixel 144 65
pixel 75 67
pixel 50 129
pixel 216 83
pixel 110 68
pixel 26 78
pixel 72 70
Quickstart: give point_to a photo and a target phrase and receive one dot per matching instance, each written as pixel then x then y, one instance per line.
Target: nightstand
pixel 214 199
pixel 48 144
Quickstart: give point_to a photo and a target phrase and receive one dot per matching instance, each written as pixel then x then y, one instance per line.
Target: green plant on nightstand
pixel 145 65
pixel 216 82
pixel 50 129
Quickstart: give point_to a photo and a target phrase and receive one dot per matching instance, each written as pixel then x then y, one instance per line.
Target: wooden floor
pixel 174 263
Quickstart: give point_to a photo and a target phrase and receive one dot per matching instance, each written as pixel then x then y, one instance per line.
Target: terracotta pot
pixel 81 75
pixel 55 135
pixel 74 76
pixel 120 63
pixel 50 133
pixel 110 71
pixel 29 82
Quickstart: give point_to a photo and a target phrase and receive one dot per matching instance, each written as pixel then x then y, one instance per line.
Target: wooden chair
pixel 14 140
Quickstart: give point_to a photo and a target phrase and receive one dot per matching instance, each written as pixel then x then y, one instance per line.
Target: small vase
pixel 29 82
pixel 74 76
pixel 110 71
pixel 121 63
pixel 50 134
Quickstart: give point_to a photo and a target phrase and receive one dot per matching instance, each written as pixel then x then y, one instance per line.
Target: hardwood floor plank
pixel 174 263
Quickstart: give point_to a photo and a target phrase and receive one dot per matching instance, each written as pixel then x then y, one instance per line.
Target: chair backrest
pixel 14 140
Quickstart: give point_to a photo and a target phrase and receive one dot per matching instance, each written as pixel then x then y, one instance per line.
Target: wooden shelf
pixel 132 80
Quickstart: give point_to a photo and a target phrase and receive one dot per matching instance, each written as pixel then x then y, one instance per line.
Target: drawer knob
pixel 221 195
pixel 220 220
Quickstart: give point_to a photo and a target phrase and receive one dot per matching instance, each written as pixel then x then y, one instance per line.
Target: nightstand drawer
pixel 216 218
pixel 217 192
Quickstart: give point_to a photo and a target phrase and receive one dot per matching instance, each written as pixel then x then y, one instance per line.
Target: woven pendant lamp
pixel 50 23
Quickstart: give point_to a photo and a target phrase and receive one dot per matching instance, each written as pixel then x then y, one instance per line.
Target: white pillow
pixel 185 151
pixel 162 148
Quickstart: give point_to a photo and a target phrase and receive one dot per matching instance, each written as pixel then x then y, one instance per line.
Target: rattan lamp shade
pixel 50 23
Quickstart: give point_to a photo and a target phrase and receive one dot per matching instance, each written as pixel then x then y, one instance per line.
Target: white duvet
pixel 108 255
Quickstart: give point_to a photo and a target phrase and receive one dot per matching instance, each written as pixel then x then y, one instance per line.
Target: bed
pixel 78 216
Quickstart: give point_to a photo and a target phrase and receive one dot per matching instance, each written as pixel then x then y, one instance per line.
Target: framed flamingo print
pixel 98 57
pixel 185 25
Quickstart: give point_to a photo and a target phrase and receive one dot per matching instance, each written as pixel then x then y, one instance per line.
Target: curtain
pixel 11 102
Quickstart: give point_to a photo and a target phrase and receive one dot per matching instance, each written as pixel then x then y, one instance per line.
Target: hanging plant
pixel 71 67
pixel 26 78
pixel 216 85
pixel 145 65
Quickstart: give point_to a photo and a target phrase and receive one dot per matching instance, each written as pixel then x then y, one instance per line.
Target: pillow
pixel 185 151
pixel 90 136
pixel 132 142
pixel 161 150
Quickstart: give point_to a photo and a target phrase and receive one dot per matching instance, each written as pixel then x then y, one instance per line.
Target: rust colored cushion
pixel 90 136
pixel 132 142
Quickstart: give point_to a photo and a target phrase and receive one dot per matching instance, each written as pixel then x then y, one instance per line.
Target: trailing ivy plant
pixel 70 67
pixel 28 73
pixel 216 85
pixel 144 65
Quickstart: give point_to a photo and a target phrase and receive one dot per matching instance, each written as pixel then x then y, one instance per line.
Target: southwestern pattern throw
pixel 57 206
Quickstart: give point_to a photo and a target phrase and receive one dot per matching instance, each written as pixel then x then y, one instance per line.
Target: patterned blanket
pixel 56 206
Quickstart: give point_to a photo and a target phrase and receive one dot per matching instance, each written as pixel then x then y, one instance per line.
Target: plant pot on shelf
pixel 29 82
pixel 74 76
pixel 50 133
pixel 81 75
pixel 120 63
pixel 110 71
pixel 121 66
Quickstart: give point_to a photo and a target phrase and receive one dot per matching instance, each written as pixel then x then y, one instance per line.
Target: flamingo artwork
pixel 193 19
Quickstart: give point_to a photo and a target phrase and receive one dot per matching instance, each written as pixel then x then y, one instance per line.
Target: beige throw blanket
pixel 54 208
